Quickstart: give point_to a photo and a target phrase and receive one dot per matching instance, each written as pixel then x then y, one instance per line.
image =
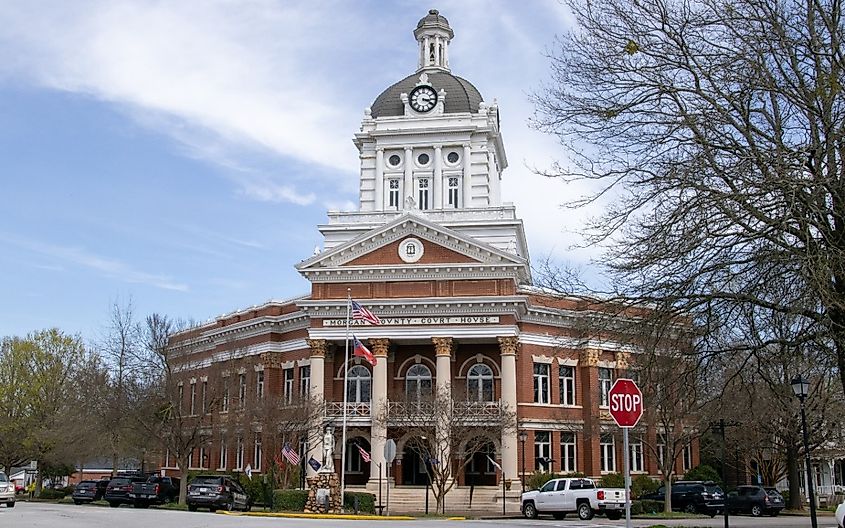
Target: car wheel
pixel 192 507
pixel 614 515
pixel 529 510
pixel 231 505
pixel 756 511
pixel 690 508
pixel 559 516
pixel 114 504
pixel 585 512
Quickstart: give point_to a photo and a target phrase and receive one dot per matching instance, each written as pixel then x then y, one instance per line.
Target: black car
pixel 692 497
pixel 119 488
pixel 217 492
pixel 156 490
pixel 89 491
pixel 756 500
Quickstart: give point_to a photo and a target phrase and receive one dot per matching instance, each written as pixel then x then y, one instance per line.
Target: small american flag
pixel 364 455
pixel 359 312
pixel 291 455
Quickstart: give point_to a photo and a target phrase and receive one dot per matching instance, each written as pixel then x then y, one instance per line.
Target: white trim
pixel 606 364
pixel 574 343
pixel 259 367
pixel 288 365
pixel 542 359
pixel 396 333
pixel 567 362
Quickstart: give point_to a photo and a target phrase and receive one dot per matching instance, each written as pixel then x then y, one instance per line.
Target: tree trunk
pixel 667 504
pixel 794 478
pixel 183 480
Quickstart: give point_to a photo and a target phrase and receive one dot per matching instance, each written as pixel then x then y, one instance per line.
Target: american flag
pixel 364 455
pixel 359 312
pixel 291 455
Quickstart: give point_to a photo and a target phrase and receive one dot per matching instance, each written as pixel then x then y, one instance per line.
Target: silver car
pixel 7 491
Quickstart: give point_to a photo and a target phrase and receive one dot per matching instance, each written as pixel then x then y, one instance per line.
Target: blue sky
pixel 182 153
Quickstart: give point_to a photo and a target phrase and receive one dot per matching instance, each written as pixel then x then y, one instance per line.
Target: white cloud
pixel 274 192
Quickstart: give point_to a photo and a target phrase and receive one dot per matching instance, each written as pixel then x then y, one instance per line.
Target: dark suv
pixel 118 490
pixel 217 492
pixel 756 500
pixel 692 496
pixel 89 491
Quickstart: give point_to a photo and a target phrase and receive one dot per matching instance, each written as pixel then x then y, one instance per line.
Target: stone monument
pixel 324 493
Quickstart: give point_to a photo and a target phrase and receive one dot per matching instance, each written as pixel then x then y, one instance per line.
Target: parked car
pixel 118 490
pixel 89 491
pixel 7 491
pixel 755 500
pixel 156 490
pixel 840 515
pixel 692 496
pixel 559 497
pixel 217 492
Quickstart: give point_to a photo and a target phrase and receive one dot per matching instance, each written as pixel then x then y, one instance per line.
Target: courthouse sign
pixel 434 320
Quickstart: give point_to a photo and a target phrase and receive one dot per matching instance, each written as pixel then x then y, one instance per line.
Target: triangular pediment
pixel 383 246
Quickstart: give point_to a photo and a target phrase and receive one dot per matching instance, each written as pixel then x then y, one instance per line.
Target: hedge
pixel 366 501
pixel 538 478
pixel 646 506
pixel 294 500
pixel 51 494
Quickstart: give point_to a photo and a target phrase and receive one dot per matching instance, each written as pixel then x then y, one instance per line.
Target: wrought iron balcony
pixel 353 410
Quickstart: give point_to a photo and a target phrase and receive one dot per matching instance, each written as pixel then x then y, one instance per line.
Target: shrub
pixel 366 501
pixel 639 507
pixel 612 480
pixel 537 479
pixel 785 494
pixel 289 500
pixel 51 494
pixel 258 491
pixel 642 485
pixel 703 472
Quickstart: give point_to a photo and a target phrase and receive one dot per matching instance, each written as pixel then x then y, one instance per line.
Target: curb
pixel 335 516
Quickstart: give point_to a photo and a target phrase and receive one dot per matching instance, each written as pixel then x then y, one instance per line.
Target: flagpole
pixel 345 391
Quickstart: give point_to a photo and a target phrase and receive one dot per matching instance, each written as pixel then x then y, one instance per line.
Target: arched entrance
pixel 480 471
pixel 414 462
pixel 357 470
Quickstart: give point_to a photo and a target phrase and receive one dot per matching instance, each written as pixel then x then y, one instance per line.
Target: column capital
pixel 590 357
pixel 508 345
pixel 380 346
pixel 318 347
pixel 438 148
pixel 443 346
pixel 623 360
pixel 271 359
pixel 409 149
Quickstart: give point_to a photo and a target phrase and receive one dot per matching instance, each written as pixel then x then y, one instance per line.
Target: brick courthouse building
pixel 443 261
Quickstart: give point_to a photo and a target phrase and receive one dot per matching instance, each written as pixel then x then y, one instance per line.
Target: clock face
pixel 423 98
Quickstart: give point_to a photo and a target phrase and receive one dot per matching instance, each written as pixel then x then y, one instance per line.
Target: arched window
pixel 417 383
pixel 358 385
pixel 480 383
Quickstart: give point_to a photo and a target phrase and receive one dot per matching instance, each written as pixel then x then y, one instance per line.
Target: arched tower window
pixel 358 385
pixel 417 383
pixel 480 383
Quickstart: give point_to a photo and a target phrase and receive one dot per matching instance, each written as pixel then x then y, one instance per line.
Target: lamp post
pixel 523 436
pixel 801 387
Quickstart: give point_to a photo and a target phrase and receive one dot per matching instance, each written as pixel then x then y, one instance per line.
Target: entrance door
pixel 413 468
pixel 480 471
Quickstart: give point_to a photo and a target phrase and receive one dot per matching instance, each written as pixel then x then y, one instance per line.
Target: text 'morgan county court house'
pixel 443 261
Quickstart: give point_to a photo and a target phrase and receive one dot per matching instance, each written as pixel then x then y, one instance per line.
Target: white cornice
pixel 292 345
pixel 573 343
pixel 414 272
pixel 333 308
pixel 421 332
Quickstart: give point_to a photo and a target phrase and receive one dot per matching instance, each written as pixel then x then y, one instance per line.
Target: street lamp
pixel 523 436
pixel 801 387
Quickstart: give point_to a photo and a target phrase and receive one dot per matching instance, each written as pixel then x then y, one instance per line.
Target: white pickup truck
pixel 573 495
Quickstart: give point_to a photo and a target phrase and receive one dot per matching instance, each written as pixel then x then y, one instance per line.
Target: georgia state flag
pixel 361 351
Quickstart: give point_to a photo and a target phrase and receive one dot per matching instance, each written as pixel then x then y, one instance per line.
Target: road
pixel 43 515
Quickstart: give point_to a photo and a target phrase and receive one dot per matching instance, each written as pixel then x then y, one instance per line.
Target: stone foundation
pixel 320 484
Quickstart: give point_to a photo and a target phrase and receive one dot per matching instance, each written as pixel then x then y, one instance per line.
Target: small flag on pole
pixel 248 471
pixel 291 455
pixel 360 350
pixel 361 313
pixel 314 464
pixel 495 464
pixel 364 455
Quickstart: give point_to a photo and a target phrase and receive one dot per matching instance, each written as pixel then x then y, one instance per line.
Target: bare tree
pixel 713 131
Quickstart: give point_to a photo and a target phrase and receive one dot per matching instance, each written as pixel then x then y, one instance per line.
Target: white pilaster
pixel 437 51
pixel 379 194
pixel 508 350
pixel 426 60
pixel 437 184
pixel 443 353
pixel 467 179
pixel 409 175
pixel 378 429
pixel 318 356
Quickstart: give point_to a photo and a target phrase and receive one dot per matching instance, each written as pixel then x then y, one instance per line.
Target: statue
pixel 410 203
pixel 328 450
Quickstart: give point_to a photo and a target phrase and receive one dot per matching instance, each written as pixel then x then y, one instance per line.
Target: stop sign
pixel 626 402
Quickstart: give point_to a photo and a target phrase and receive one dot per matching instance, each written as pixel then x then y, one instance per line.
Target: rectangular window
pixel 224 400
pixel 288 385
pixel 203 458
pixel 191 459
pixel 257 454
pixel 541 383
pixel 567 385
pixel 259 384
pixel 304 381
pixel 193 397
pixel 423 193
pixel 605 381
pixel 167 458
pixel 393 194
pixel 607 453
pixel 542 450
pixel 224 453
pixel 661 450
pixel 635 454
pixel 567 453
pixel 687 457
pixel 205 396
pixel 241 391
pixel 239 453
pixel 453 192
pixel 181 397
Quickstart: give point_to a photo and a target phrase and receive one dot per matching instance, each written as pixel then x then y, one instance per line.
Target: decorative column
pixel 409 175
pixel 508 347
pixel 493 176
pixel 379 190
pixel 437 51
pixel 437 184
pixel 318 369
pixel 443 347
pixel 378 412
pixel 467 179
pixel 588 378
pixel 425 62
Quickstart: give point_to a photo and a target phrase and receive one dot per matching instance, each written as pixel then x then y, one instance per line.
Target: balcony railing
pixel 418 411
pixel 353 410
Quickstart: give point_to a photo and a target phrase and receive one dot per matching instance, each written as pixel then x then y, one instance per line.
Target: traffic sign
pixel 626 402
pixel 389 450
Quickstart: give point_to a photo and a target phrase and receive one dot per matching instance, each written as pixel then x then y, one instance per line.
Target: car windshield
pixel 773 493
pixel 119 482
pixel 713 489
pixel 3 477
pixel 85 485
pixel 206 481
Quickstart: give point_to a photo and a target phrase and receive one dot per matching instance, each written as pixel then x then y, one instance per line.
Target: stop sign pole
pixel 626 408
